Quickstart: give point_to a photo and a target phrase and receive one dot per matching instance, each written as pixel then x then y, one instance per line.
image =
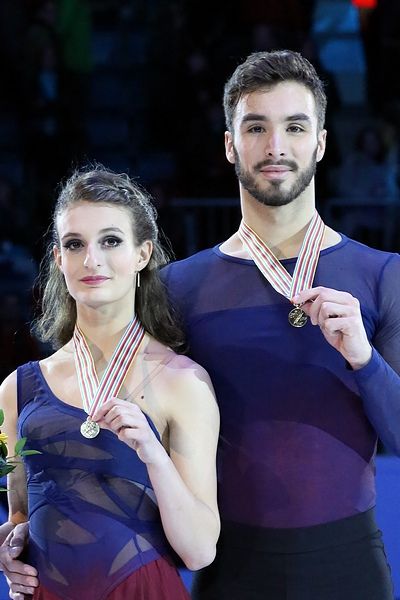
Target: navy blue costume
pixel 298 427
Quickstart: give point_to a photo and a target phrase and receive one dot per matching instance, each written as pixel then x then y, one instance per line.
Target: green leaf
pixel 3 450
pixel 1 417
pixel 6 469
pixel 19 445
pixel 29 452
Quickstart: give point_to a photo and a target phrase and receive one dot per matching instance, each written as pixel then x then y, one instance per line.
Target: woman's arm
pixel 14 533
pixel 184 480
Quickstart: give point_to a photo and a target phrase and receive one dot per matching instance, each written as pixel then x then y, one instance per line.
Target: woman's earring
pixel 138 279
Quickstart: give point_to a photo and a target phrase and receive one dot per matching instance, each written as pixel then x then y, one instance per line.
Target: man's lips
pixel 275 169
pixel 94 279
pixel 275 172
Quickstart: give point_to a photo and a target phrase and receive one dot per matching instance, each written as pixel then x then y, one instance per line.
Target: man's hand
pixel 21 578
pixel 339 318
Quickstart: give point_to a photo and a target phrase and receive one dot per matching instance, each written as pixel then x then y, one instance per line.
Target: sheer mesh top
pixel 296 445
pixel 93 514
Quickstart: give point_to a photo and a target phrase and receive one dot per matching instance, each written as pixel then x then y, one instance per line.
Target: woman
pixel 126 427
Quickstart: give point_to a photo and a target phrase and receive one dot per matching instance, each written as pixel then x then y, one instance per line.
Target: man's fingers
pixel 16 568
pixel 18 591
pixel 21 584
pixel 16 595
pixel 15 550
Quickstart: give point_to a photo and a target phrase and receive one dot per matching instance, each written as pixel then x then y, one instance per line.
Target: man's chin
pixel 270 199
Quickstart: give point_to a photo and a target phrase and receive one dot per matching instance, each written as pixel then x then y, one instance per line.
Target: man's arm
pixel 21 578
pixel 375 363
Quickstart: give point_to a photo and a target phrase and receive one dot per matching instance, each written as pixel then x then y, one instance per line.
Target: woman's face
pixel 98 254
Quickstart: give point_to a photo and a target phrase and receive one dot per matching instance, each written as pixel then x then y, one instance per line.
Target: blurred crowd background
pixel 137 85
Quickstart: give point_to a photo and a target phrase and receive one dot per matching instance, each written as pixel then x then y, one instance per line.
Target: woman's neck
pixel 103 328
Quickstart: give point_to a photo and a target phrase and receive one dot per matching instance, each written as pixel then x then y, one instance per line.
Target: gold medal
pixel 90 429
pixel 275 272
pixel 297 317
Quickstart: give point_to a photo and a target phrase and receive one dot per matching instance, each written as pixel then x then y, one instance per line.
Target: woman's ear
pixel 146 250
pixel 57 256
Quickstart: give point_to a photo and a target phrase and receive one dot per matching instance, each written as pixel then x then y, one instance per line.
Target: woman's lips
pixel 94 279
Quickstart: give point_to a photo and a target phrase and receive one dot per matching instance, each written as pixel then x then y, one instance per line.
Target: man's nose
pixel 275 145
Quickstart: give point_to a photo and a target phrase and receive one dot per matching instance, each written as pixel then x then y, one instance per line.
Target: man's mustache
pixel 269 163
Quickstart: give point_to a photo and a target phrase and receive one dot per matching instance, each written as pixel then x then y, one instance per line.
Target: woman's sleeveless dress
pixel 95 527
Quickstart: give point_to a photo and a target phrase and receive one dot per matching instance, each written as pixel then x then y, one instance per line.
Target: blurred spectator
pixel 12 28
pixel 15 217
pixel 73 27
pixel 41 118
pixel 370 171
pixel 16 341
pixel 367 194
pixel 380 26
pixel 278 23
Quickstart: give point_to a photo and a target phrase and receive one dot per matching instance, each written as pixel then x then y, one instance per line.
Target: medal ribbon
pixel 272 268
pixel 94 393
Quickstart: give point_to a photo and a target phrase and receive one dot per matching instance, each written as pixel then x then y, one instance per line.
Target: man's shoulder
pixel 367 255
pixel 188 269
pixel 199 258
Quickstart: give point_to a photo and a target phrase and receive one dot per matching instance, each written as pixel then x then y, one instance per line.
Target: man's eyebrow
pixel 259 117
pixel 298 117
pixel 254 117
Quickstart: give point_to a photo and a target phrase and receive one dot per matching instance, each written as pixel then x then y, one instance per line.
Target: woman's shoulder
pixel 187 389
pixel 9 385
pixel 178 369
pixel 59 362
pixel 182 370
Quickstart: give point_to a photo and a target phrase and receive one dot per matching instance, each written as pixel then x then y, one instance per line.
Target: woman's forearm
pixel 191 526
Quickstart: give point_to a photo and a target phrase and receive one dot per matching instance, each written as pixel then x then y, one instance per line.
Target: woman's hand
pixel 130 424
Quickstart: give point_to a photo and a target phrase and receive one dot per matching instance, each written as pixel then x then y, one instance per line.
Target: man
pixel 303 390
pixel 298 327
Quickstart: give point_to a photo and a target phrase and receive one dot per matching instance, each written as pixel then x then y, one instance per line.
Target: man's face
pixel 276 145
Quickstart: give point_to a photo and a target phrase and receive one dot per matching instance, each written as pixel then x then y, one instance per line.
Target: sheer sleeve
pixel 379 381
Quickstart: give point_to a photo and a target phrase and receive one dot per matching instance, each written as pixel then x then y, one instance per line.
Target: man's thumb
pixel 15 550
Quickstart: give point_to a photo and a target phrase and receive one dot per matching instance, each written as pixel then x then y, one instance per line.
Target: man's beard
pixel 274 196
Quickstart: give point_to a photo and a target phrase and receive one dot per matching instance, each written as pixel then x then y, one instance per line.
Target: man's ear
pixel 321 144
pixel 229 147
pixel 57 256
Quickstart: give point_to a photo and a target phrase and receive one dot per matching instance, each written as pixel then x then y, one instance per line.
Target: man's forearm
pixel 379 387
pixel 5 529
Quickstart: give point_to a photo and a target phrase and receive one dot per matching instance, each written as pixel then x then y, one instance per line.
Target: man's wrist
pixel 360 362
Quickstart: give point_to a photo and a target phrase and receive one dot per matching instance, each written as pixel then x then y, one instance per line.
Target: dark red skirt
pixel 158 580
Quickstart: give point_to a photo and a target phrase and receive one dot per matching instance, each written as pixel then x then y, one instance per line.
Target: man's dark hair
pixel 263 70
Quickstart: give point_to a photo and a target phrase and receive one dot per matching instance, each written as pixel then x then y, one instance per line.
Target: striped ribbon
pixel 272 268
pixel 94 393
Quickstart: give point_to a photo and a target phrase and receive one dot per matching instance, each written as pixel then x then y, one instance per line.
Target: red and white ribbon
pixel 94 393
pixel 272 268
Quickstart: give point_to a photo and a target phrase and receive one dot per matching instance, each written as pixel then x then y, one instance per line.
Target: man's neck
pixel 282 228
